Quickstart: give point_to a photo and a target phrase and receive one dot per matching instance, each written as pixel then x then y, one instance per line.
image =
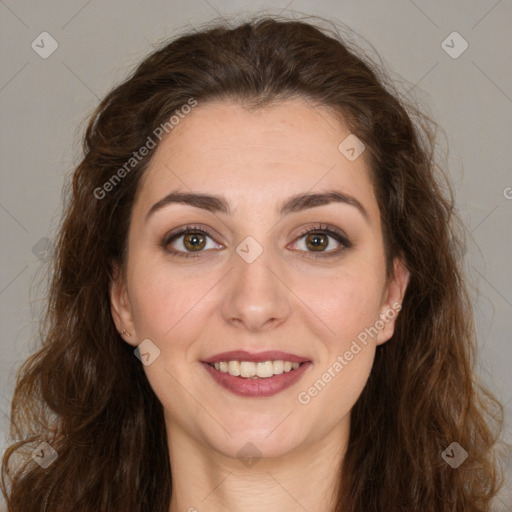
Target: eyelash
pixel 322 229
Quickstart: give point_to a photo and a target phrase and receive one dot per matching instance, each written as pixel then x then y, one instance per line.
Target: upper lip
pixel 256 357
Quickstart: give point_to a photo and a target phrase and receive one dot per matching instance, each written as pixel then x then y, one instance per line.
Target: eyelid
pixel 185 229
pixel 325 228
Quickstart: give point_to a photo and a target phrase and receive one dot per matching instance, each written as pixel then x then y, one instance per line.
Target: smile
pixel 249 379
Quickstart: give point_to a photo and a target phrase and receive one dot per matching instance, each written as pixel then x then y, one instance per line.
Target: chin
pixel 253 442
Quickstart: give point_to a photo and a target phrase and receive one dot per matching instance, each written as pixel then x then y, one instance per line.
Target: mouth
pixel 261 376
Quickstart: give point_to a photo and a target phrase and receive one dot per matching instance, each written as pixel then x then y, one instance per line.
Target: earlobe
pixel 395 292
pixel 120 307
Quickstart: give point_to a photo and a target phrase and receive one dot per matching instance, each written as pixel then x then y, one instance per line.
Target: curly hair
pixel 85 393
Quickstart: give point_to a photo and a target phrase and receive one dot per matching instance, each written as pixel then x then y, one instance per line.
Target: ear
pixel 392 303
pixel 120 306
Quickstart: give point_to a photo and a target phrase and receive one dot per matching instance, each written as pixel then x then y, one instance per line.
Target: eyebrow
pixel 296 203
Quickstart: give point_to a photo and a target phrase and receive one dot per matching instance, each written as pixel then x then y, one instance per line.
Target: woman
pixel 256 302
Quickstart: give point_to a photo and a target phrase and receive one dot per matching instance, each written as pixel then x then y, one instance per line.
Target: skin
pixel 193 308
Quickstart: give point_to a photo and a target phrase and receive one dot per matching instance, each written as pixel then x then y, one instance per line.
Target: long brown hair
pixel 86 394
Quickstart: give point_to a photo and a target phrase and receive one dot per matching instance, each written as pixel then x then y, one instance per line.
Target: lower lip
pixel 257 387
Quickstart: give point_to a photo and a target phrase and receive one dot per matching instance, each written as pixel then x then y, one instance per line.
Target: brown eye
pixel 317 241
pixel 189 241
pixel 194 241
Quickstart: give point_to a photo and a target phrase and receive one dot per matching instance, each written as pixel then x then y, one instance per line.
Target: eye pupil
pixel 191 239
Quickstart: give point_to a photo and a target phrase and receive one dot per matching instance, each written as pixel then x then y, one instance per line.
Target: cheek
pixel 348 303
pixel 169 304
pixel 350 309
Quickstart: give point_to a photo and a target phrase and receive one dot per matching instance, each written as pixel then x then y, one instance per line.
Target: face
pixel 242 273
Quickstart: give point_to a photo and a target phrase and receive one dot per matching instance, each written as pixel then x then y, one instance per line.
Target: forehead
pixel 257 157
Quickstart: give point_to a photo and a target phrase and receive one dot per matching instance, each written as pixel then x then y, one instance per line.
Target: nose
pixel 256 296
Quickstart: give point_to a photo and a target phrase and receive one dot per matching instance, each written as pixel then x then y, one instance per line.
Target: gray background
pixel 44 104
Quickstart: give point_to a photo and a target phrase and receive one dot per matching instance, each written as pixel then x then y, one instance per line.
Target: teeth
pixel 264 370
pixel 278 367
pixel 247 368
pixel 234 368
pixel 251 370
